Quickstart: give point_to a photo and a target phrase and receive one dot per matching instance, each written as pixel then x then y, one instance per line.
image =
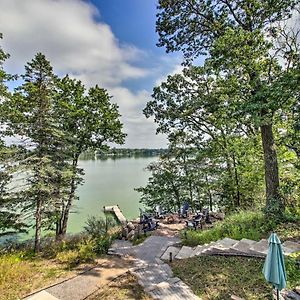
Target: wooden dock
pixel 116 210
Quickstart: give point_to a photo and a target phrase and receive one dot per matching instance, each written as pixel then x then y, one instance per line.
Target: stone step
pixel 260 247
pixel 223 245
pixel 177 291
pixel 171 249
pixel 290 247
pixel 149 277
pixel 204 249
pixel 43 295
pixel 184 252
pixel 197 251
pixel 243 247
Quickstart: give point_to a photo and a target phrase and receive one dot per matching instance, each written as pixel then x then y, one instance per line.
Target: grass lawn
pixel 124 287
pixel 20 275
pixel 219 277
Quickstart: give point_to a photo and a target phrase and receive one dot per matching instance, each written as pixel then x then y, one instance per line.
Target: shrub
pixel 97 226
pixel 102 244
pixel 292 264
pixel 86 251
pixel 69 257
pixel 244 224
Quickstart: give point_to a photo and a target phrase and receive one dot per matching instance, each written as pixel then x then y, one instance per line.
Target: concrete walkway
pixel 155 276
pixel 83 285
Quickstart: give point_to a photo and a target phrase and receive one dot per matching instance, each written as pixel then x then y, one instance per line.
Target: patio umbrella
pixel 274 268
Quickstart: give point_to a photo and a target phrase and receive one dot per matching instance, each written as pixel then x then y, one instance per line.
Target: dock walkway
pixel 118 213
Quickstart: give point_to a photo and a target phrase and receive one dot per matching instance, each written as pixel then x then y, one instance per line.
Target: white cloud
pixel 176 70
pixel 140 130
pixel 66 31
pixel 71 36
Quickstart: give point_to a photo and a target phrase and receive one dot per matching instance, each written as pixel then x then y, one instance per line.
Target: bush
pixel 98 226
pixel 102 244
pixel 69 257
pixel 245 224
pixel 84 252
pixel 292 264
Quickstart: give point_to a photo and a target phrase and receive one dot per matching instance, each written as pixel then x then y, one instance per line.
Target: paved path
pixel 83 285
pixel 155 276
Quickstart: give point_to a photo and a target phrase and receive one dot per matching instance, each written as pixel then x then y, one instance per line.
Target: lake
pixel 109 182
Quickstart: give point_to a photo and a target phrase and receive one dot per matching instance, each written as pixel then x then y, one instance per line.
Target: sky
pixel 111 43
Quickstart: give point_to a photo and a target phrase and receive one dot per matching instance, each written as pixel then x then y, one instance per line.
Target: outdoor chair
pixel 195 222
pixel 159 212
pixel 184 210
pixel 150 226
pixel 144 217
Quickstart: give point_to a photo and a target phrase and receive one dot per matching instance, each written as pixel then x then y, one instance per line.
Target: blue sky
pixel 107 42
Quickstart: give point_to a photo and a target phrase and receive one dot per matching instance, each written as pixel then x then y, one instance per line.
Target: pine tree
pixel 32 117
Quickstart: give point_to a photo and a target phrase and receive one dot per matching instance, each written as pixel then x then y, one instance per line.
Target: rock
pixel 130 235
pixel 124 232
pixel 297 289
pixel 130 226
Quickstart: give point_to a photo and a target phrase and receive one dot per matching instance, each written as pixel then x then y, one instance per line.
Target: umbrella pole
pixel 277 294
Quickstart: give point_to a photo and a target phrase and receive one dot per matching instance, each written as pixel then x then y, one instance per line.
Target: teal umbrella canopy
pixel 274 268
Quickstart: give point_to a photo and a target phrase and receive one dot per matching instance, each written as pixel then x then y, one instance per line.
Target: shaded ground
pixel 217 278
pixel 124 287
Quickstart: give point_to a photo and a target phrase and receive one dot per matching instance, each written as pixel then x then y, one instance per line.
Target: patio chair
pixel 159 212
pixel 144 217
pixel 195 222
pixel 150 226
pixel 184 210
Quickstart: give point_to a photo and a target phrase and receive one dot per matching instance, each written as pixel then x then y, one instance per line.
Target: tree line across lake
pixel 116 153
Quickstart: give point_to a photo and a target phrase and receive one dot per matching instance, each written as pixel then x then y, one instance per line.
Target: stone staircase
pixel 227 246
pixel 158 281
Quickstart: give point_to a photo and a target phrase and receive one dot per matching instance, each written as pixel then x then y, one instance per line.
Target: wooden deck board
pixel 116 210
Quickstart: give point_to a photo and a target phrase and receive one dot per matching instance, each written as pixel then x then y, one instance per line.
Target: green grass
pixel 218 277
pixel 20 274
pixel 21 271
pixel 245 224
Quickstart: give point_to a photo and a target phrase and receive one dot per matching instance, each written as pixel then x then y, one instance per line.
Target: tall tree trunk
pixel 67 207
pixel 238 194
pixel 271 168
pixel 209 195
pixel 38 226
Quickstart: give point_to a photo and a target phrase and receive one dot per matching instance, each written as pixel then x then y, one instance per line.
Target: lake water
pixel 109 182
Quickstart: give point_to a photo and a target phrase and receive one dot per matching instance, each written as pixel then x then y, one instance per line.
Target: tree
pixel 10 218
pixel 31 116
pixel 234 35
pixel 90 121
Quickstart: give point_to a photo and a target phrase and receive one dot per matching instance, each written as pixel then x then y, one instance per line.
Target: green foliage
pixel 102 244
pixel 245 224
pixel 292 269
pixel 242 86
pixel 98 226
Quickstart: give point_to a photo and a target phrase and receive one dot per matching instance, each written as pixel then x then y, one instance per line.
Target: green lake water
pixel 109 182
